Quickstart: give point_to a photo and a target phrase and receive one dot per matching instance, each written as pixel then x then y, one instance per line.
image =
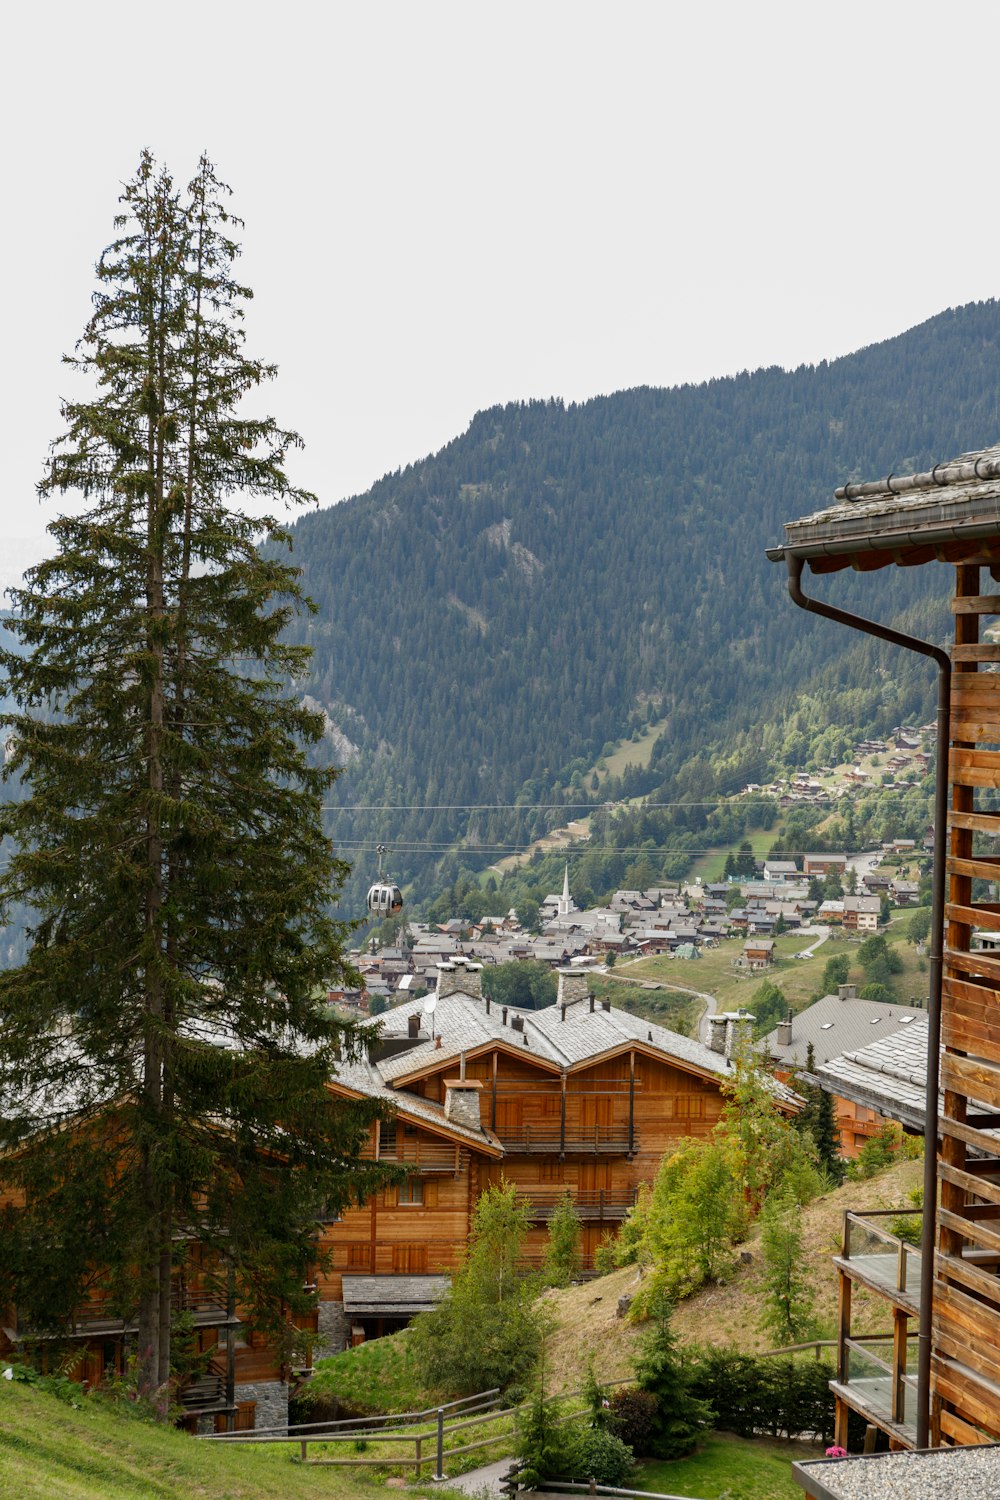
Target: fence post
pixel 302 1449
pixel 440 1445
pixel 419 1445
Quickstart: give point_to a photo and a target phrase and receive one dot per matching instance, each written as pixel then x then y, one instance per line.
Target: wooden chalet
pixel 578 1098
pixel 946 1390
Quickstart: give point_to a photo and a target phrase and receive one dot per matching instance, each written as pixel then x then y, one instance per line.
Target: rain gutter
pixel 929 1224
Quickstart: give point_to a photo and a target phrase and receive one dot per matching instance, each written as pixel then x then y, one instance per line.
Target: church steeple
pixel 564 898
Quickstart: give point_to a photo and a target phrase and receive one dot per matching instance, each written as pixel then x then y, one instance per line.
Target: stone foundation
pixel 271 1397
pixel 332 1330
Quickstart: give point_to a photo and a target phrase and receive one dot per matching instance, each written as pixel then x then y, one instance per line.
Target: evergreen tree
pixel 663 1371
pixel 163 1063
pixel 819 1119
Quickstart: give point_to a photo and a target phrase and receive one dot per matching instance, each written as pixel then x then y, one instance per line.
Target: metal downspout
pixel 929 1225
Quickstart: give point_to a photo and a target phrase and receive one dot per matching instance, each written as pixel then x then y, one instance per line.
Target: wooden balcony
pixel 422 1156
pixel 98 1315
pixel 549 1140
pixel 595 1206
pixel 876 1373
pixel 876 1258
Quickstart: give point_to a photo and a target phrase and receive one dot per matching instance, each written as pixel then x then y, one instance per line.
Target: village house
pixel 579 1097
pixel 834 1025
pixel 758 953
pixel 861 913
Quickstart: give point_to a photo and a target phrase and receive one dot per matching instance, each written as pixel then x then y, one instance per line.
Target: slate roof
pixel 366 1077
pixel 903 518
pixel 392 1296
pixel 889 1075
pixel 462 1024
pixel 835 1026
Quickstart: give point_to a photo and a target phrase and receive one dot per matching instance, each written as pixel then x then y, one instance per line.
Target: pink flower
pixel 836 1452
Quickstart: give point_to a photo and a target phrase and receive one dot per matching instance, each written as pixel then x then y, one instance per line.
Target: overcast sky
pixel 450 205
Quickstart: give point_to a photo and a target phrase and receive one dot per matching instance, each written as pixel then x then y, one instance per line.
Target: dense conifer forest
pixel 493 617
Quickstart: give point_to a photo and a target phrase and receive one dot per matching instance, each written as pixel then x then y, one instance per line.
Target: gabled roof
pixel 462 1024
pixel 835 1026
pixel 363 1078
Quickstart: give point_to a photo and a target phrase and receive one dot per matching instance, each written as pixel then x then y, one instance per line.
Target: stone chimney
pixel 847 991
pixel 717 1026
pixel 739 1034
pixel 572 986
pixel 413 1024
pixel 517 1023
pixel 461 1102
pixel 785 1031
pixel 459 976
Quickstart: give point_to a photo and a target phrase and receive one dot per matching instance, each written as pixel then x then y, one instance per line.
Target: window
pixel 411 1191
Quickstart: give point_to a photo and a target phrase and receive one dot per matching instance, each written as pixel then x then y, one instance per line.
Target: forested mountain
pixel 490 617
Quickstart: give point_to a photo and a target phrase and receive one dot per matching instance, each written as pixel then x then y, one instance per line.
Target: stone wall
pixel 271 1397
pixel 332 1329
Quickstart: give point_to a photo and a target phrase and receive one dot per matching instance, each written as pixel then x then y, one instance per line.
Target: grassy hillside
pixel 585 1320
pixel 53 1451
pixel 798 978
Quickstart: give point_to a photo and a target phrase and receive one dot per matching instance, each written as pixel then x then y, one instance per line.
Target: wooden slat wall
pixel 966 1336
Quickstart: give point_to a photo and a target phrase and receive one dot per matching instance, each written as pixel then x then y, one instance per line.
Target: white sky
pixel 450 205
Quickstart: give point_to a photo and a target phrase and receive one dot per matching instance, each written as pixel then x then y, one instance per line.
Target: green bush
pixel 776 1396
pixel 632 1417
pixel 601 1456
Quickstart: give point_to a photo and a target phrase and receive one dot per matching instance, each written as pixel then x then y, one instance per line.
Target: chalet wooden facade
pixel 579 1098
pixel 950 1394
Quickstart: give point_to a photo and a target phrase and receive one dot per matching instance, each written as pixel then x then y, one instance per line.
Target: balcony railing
pixel 593 1140
pixel 592 1205
pixel 423 1156
pixel 878 1380
pixel 882 1260
pixel 99 1314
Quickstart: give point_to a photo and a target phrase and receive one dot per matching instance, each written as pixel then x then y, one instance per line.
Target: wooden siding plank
pixel 969 1183
pixel 986 651
pixel 957 1130
pixel 982 867
pixel 974 822
pixel 968 1034
pixel 978 1355
pixel 975 963
pixel 964 1435
pixel 976 604
pixel 978 1319
pixel 981 1282
pixel 979 915
pixel 975 1402
pixel 975 1230
pixel 976 727
pixel 975 1080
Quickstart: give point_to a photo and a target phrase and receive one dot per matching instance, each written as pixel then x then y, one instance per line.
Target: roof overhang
pixel 392 1296
pixel 488 1144
pixel 950 513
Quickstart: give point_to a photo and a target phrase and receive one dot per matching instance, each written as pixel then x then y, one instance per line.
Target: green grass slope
pixel 53 1451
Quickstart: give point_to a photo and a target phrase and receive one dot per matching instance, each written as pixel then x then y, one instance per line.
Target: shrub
pixel 632 1417
pixel 601 1456
pixel 779 1397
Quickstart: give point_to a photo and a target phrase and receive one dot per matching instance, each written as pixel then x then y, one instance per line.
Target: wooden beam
pixel 977 604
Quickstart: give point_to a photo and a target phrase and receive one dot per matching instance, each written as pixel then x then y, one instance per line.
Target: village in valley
pixel 499 755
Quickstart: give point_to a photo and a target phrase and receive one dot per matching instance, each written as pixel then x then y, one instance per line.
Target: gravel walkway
pixel 944 1474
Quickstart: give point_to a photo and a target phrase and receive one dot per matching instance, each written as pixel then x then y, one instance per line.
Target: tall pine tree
pixel 163 1060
